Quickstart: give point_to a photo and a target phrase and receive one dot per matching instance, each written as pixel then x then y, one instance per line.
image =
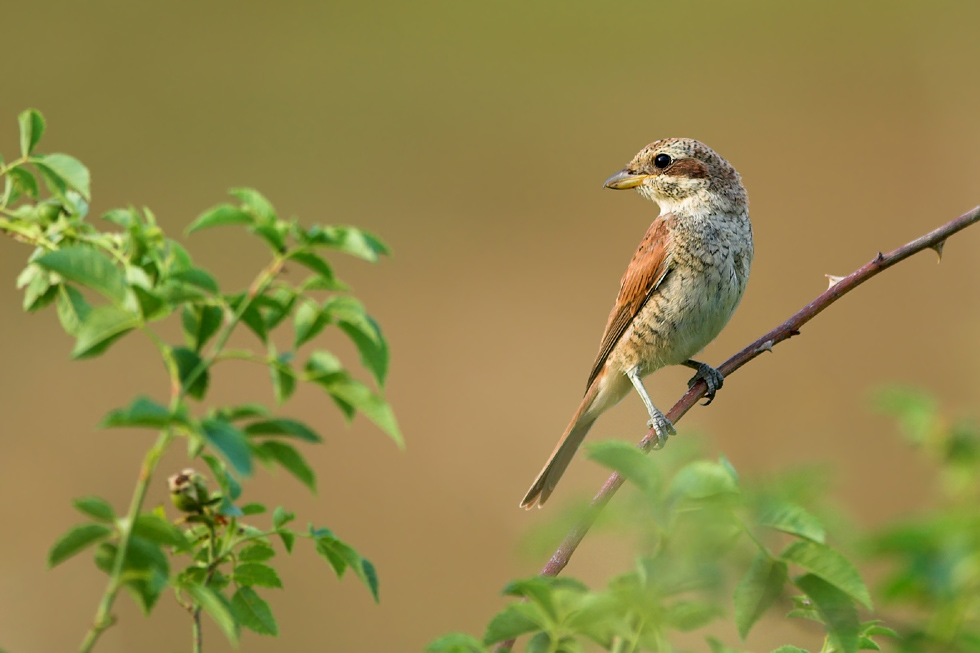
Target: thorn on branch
pixel 938 248
pixel 794 332
pixel 879 258
pixel 766 346
pixel 834 280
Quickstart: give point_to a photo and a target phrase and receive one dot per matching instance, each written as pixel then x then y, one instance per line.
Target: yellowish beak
pixel 624 179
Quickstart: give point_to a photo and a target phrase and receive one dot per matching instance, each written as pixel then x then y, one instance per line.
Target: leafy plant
pixel 710 545
pixel 107 284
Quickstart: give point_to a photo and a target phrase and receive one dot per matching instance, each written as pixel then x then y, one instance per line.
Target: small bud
pixel 188 491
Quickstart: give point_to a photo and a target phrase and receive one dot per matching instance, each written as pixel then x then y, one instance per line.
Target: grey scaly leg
pixel 658 421
pixel 712 377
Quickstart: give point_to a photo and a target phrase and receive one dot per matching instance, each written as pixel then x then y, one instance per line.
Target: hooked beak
pixel 624 179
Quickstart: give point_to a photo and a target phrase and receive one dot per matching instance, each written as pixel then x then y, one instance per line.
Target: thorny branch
pixel 839 286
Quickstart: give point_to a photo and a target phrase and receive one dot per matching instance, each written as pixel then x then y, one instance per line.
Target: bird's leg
pixel 712 377
pixel 658 421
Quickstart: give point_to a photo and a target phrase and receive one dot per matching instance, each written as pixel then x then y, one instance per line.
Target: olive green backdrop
pixel 474 138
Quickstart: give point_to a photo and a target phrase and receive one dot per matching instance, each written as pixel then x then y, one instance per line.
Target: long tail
pixel 575 432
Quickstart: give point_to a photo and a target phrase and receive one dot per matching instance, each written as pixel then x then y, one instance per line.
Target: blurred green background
pixel 474 138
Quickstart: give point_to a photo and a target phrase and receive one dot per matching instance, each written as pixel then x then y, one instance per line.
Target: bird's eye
pixel 662 161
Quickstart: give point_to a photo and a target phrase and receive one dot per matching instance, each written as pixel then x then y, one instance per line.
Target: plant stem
pixel 103 617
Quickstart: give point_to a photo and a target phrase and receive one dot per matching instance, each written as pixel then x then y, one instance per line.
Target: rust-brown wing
pixel 648 268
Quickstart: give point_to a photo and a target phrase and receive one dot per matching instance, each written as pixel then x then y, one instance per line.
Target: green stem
pixel 103 617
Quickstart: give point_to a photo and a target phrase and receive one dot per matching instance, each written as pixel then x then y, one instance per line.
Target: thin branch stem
pixel 933 240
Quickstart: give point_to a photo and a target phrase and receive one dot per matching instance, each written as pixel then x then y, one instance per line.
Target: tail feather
pixel 581 422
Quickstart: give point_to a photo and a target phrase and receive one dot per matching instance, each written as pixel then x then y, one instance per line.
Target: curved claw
pixel 664 429
pixel 712 378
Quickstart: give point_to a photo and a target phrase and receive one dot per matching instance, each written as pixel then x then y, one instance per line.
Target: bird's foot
pixel 663 427
pixel 712 377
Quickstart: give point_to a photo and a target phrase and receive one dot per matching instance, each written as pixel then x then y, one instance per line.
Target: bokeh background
pixel 474 138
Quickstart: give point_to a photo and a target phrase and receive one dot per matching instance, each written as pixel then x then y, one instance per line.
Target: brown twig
pixel 839 287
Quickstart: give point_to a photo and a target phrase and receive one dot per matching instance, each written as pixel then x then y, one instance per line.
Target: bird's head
pixel 682 174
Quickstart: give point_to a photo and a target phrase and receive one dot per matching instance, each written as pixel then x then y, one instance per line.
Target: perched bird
pixel 679 291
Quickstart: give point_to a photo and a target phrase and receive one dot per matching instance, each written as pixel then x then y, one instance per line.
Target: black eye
pixel 662 160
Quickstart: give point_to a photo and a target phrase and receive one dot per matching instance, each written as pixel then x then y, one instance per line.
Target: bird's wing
pixel 646 271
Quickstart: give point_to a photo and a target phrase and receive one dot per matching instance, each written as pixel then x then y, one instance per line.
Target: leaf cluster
pixel 106 284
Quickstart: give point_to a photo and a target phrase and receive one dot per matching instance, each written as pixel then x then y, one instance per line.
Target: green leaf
pixel 196 277
pixel 630 462
pixel 253 573
pixel 250 316
pixel 281 517
pixel 253 612
pixel 511 622
pixel 67 168
pixel 231 442
pixel 686 616
pixel 216 607
pixel 350 394
pixel 831 566
pixel 156 529
pixel 39 292
pixel 272 234
pixel 189 363
pixel 258 552
pixel 349 240
pixel 222 214
pixel 87 267
pixel 363 331
pixel 283 378
pixel 200 324
pixel 255 203
pixel 791 518
pixel 24 182
pixel 456 643
pixel 291 460
pixel 789 648
pixel 283 426
pixel 31 129
pixel 341 555
pixel 836 609
pixel 75 540
pixel 244 411
pixel 102 326
pixel 308 322
pixel 757 591
pixel 253 508
pixel 314 263
pixel 703 479
pixel 96 508
pixel 288 538
pixel 145 569
pixel 230 487
pixel 72 309
pixel 142 412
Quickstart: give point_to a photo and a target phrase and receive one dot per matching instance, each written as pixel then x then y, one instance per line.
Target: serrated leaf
pixel 836 609
pixel 758 591
pixel 223 214
pixel 231 442
pixel 253 612
pixel 230 487
pixel 76 540
pixel 216 608
pixel 353 393
pixel 253 573
pixel 350 240
pixel 102 326
pixel 145 569
pixel 272 234
pixel 831 566
pixel 31 129
pixel 314 263
pixel 341 555
pixel 258 552
pixel 283 426
pixel 288 538
pixel 793 519
pixel 95 507
pixel 363 331
pixel 141 412
pixel 630 462
pixel 87 267
pixel 281 517
pixel 291 460
pixel 70 170
pixel 194 375
pixel 72 309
